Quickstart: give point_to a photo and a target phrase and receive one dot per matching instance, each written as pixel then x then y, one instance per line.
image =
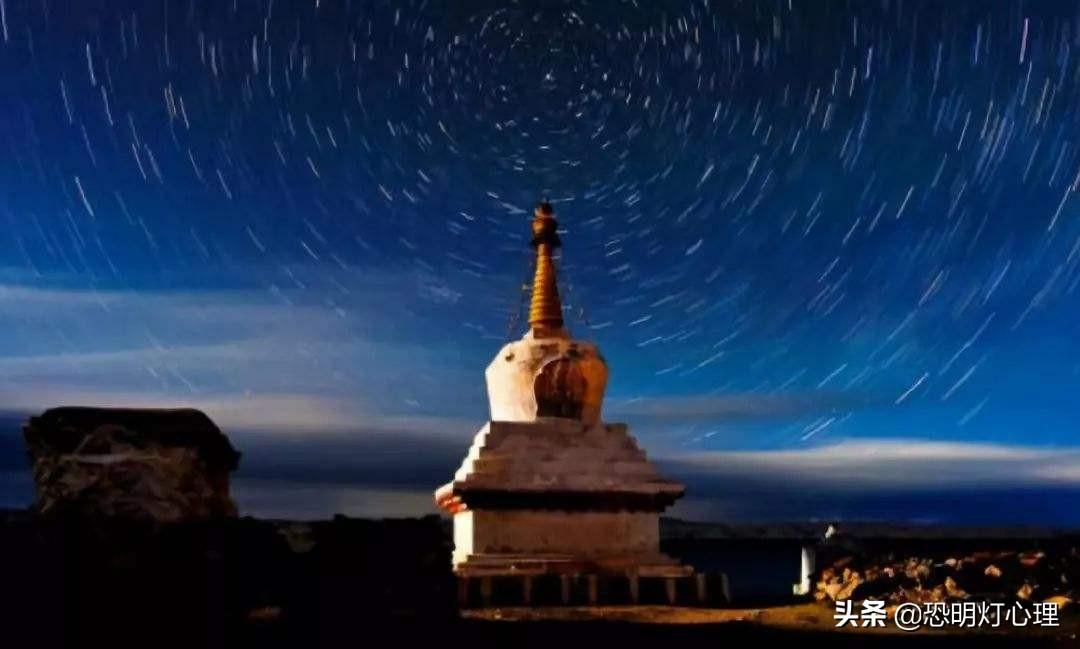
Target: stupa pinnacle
pixel 545 309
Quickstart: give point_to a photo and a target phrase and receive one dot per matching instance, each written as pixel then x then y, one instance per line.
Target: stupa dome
pixel 547 377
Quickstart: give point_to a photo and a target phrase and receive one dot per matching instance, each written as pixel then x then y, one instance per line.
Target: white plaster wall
pixel 581 534
pixel 463 536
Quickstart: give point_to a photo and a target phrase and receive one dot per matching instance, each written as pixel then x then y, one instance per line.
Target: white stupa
pixel 547 486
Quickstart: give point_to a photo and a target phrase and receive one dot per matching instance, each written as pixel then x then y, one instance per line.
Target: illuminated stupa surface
pixel 547 485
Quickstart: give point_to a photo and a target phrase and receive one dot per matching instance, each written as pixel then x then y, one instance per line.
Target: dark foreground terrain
pixel 731 634
pixel 343 582
pixel 222 583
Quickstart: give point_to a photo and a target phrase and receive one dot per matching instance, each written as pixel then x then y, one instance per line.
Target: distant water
pixel 16 489
pixel 306 501
pixel 757 572
pixel 970 506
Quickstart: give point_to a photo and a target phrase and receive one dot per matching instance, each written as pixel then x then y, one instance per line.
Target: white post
pixel 806 571
pixel 702 594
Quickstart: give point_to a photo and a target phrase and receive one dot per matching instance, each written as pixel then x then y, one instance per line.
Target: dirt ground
pixel 813 619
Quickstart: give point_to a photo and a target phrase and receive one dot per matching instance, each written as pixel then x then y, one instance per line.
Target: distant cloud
pixel 742 406
pixel 263 359
pixel 906 464
pixel 391 469
pixel 251 413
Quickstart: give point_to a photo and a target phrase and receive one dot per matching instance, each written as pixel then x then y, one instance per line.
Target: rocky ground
pixel 1048 574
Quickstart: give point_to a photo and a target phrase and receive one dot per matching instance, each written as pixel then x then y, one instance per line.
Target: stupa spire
pixel 545 308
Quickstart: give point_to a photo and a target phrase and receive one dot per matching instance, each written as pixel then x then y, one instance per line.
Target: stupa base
pixel 505 580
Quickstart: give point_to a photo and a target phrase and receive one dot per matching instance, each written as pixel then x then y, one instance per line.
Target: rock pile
pixel 150 465
pixel 990 576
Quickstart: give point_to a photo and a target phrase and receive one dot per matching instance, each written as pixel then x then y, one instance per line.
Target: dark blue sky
pixel 820 243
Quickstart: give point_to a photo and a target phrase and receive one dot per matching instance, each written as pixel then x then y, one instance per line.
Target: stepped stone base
pixel 559 496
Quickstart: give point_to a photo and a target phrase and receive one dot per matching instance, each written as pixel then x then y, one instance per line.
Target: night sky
pixel 830 250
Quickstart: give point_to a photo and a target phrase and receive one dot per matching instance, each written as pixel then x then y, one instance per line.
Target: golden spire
pixel 545 309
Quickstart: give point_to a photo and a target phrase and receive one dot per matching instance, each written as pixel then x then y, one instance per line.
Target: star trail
pixel 790 226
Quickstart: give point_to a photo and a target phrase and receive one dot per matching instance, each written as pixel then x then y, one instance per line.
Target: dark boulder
pixel 143 464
